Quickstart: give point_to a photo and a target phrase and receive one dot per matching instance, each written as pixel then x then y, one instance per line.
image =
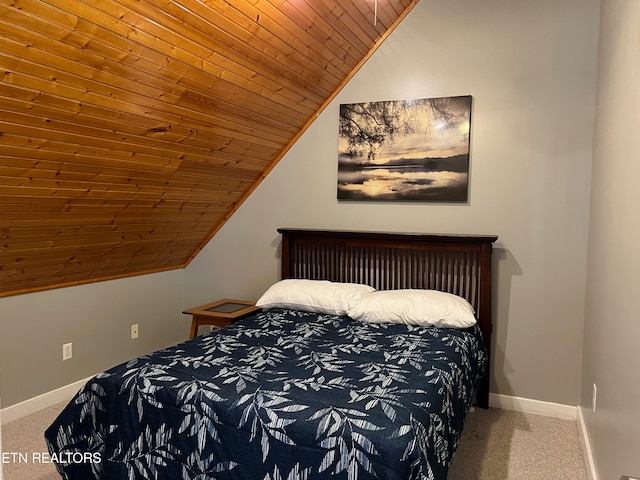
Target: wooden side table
pixel 219 313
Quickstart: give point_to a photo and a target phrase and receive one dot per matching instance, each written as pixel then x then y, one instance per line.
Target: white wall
pixel 612 329
pixel 531 69
pixel 96 318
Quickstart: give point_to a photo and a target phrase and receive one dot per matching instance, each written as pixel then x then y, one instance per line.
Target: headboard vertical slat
pixel 421 270
pixel 454 271
pixel 438 284
pixel 437 272
pixel 466 275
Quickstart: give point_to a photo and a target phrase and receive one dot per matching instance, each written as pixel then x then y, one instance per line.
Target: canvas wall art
pixel 405 150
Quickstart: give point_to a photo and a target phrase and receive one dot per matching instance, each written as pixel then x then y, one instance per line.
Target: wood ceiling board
pixel 131 131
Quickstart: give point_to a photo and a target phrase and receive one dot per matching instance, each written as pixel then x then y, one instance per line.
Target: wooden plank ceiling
pixel 131 130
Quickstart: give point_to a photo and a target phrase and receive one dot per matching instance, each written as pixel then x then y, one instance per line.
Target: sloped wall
pixel 531 69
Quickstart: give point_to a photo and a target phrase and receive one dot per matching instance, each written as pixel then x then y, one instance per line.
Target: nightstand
pixel 219 313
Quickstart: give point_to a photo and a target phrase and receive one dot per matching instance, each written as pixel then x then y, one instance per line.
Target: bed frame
pixel 459 264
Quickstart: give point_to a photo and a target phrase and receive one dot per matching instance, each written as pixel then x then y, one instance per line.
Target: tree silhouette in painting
pixel 405 149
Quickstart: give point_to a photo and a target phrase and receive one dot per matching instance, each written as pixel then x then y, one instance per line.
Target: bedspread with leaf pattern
pixel 282 395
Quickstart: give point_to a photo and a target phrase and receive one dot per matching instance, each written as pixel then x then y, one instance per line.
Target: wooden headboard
pixel 458 264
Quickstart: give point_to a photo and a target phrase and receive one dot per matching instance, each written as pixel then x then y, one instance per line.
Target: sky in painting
pixel 431 138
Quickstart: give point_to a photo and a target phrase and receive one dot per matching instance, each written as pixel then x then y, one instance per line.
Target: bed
pixel 318 384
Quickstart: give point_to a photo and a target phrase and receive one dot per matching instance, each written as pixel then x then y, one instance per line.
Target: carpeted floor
pixel 26 436
pixel 505 445
pixel 496 445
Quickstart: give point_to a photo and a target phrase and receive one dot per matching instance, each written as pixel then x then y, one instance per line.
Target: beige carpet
pixel 504 445
pixel 26 436
pixel 496 445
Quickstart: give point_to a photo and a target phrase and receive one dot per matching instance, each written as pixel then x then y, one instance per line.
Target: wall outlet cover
pixel 67 351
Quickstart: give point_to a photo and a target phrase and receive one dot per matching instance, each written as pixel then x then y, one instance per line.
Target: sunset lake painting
pixel 405 150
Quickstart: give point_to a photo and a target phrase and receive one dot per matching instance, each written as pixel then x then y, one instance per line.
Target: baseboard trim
pixel 537 407
pixel 585 441
pixel 35 404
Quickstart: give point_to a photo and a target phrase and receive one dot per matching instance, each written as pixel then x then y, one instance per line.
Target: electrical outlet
pixel 134 331
pixel 594 397
pixel 67 351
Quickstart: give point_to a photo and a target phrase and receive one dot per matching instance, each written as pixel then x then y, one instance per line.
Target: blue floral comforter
pixel 282 395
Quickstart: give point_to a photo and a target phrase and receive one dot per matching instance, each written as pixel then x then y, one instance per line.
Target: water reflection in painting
pixel 405 150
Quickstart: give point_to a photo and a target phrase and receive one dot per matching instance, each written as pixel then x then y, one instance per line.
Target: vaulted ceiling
pixel 131 130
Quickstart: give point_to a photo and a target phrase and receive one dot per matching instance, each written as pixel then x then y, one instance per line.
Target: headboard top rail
pixel 391 236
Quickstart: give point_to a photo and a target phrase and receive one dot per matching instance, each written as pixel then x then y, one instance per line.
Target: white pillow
pixel 321 296
pixel 414 307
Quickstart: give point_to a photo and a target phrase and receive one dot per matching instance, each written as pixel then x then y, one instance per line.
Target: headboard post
pixel 485 317
pixel 459 264
pixel 286 257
